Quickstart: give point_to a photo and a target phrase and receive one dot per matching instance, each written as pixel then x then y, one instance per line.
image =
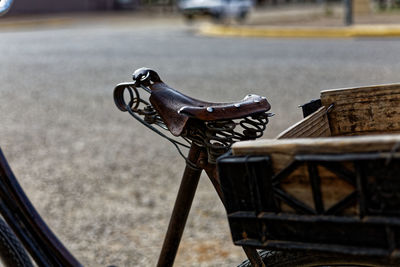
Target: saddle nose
pixel 145 76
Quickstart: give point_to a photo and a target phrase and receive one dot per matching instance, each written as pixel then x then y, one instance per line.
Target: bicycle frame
pixel 196 162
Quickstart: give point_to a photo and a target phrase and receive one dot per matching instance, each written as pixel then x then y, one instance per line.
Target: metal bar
pixel 181 209
pixel 315 181
pixel 360 178
pixel 253 256
pixel 391 238
pixel 293 202
pixel 348 12
pixel 5 5
pixel 345 157
pixel 342 204
pixel 217 187
pixel 293 217
pixel 285 172
pixel 340 171
pixel 288 217
pixel 211 170
pixel 310 107
pixel 345 250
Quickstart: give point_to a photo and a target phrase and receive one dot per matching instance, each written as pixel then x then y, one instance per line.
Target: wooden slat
pixel 364 110
pixel 328 145
pixel 282 151
pixel 315 125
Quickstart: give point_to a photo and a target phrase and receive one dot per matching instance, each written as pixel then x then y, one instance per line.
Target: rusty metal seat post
pixel 180 213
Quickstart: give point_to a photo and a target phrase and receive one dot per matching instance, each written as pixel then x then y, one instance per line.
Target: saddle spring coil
pixel 220 135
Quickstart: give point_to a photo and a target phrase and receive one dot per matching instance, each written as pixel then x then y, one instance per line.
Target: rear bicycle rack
pixel 263 215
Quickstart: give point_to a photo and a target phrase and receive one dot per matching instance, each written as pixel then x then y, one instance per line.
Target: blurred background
pixel 104 183
pixel 361 11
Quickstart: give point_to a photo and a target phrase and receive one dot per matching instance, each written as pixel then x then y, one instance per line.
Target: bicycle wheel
pixel 12 252
pixel 312 259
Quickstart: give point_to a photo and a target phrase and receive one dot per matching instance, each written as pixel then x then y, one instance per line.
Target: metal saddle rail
pixel 208 129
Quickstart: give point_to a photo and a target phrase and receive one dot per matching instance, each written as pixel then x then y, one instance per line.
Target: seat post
pixel 181 209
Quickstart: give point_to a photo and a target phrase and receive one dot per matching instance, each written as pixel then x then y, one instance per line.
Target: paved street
pixel 103 182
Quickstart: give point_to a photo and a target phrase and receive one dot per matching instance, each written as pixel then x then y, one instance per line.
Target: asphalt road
pixel 105 184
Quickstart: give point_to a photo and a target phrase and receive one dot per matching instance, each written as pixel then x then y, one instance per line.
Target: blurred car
pixel 125 4
pixel 217 9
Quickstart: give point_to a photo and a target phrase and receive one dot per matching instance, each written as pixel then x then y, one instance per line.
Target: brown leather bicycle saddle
pixel 176 108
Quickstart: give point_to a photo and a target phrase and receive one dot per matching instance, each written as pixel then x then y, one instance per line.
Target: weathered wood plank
pixel 282 151
pixel 364 110
pixel 315 125
pixel 331 145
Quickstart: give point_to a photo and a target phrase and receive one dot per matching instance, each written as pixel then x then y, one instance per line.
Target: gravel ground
pixel 104 183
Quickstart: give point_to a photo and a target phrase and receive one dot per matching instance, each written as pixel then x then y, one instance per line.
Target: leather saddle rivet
pixel 210 109
pixel 256 100
pixel 181 109
pixel 237 105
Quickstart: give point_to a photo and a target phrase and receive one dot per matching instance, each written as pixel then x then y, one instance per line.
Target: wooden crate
pixel 331 181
